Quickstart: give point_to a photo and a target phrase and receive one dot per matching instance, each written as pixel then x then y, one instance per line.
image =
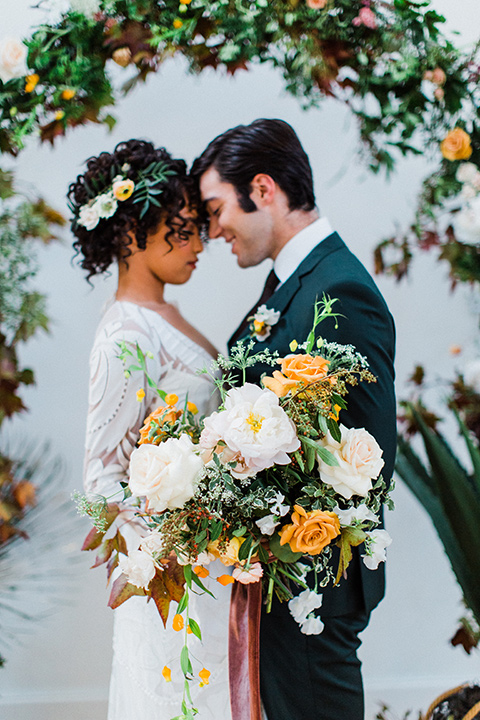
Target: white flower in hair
pixel 89 216
pixel 107 205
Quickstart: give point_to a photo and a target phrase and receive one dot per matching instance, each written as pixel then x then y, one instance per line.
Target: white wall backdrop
pixel 62 667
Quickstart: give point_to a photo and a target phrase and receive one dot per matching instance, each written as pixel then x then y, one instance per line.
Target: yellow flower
pixel 225 580
pixel 201 571
pixel 177 23
pixel 258 326
pixel 204 676
pixel 228 555
pixel 59 115
pixel 456 145
pixel 68 94
pixel 122 189
pixel 31 82
pixel 178 623
pixel 167 674
pixel 191 407
pixel 171 399
pixel 293 345
pixel 140 394
pixel 185 2
pixel 310 531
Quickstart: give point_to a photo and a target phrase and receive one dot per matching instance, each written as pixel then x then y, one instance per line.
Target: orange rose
pixel 305 368
pixel 161 415
pixel 457 145
pixel 316 4
pixel 311 531
pixel 279 384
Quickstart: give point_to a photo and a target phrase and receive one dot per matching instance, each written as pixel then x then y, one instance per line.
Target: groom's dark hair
pixel 266 146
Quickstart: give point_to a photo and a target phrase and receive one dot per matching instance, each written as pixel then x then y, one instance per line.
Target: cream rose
pixel 359 459
pixel 13 58
pixel 139 568
pixel 256 430
pixel 166 474
pixel 89 216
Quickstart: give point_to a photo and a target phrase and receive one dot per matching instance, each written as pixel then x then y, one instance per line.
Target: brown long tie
pixel 269 288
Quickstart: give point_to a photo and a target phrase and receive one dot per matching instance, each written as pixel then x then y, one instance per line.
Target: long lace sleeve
pixel 115 415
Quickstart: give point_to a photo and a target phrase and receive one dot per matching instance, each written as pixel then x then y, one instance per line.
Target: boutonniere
pixel 262 321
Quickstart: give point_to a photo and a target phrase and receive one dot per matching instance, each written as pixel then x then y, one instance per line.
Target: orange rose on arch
pixel 311 531
pixel 456 145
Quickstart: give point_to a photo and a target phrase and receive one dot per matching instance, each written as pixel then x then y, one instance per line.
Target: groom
pixel 257 186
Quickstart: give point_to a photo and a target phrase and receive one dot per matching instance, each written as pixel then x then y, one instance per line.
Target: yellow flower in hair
pixel 122 189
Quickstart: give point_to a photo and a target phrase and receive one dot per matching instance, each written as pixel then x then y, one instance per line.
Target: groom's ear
pixel 263 189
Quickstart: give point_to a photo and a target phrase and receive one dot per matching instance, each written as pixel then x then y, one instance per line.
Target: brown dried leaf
pixel 122 590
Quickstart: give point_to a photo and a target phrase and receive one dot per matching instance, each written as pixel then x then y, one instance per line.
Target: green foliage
pixel 374 65
pixel 22 310
pixel 448 492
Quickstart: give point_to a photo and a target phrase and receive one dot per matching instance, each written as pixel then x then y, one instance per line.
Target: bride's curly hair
pixel 110 240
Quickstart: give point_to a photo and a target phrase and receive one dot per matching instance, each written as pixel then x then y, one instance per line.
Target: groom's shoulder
pixel 334 258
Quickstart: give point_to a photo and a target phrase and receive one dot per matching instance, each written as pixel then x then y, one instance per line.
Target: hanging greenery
pixel 387 60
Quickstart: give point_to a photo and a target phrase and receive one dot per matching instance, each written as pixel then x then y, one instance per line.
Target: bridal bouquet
pixel 268 484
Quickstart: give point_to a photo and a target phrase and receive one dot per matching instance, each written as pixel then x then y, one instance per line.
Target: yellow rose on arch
pixel 457 145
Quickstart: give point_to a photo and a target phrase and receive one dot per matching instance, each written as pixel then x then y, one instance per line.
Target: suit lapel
pixel 282 297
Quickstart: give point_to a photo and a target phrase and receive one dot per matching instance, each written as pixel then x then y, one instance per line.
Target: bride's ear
pixel 263 189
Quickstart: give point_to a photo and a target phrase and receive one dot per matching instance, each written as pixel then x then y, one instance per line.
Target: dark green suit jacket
pixel 332 269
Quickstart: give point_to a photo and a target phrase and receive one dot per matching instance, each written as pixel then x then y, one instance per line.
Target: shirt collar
pixel 299 246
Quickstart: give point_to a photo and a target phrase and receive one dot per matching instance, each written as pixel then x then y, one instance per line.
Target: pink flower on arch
pixel 366 17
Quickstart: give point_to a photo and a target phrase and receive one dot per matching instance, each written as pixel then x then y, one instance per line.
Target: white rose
pixel 354 514
pixel 88 216
pixel 152 543
pixel 254 425
pixel 466 172
pixel 106 205
pixel 85 7
pixel 376 543
pixel 466 223
pixel 359 460
pixel 267 524
pixel 302 605
pixel 471 374
pixel 312 626
pixel 13 58
pixel 139 568
pixel 166 474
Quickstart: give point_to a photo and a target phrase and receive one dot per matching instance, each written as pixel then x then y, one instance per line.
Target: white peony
pixel 354 514
pixel 267 524
pixel 89 216
pixel 471 374
pixel 466 172
pixel 166 474
pixel 312 626
pixel 376 543
pixel 13 59
pixel 302 605
pixel 139 568
pixel 359 458
pixel 256 430
pixel 466 223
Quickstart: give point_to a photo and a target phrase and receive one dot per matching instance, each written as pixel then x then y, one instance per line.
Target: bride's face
pixel 171 257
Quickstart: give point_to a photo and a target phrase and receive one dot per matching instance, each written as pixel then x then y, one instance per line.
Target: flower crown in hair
pixel 103 205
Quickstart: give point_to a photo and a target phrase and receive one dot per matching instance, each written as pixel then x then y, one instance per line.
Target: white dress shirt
pixel 298 247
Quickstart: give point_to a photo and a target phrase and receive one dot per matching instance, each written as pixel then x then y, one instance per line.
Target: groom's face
pixel 250 234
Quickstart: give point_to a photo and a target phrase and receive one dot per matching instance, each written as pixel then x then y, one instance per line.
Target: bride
pixel 136 208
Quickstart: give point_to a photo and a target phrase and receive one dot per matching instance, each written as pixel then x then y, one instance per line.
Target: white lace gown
pixel 141 644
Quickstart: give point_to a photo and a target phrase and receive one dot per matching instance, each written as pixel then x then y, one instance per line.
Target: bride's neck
pixel 141 288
